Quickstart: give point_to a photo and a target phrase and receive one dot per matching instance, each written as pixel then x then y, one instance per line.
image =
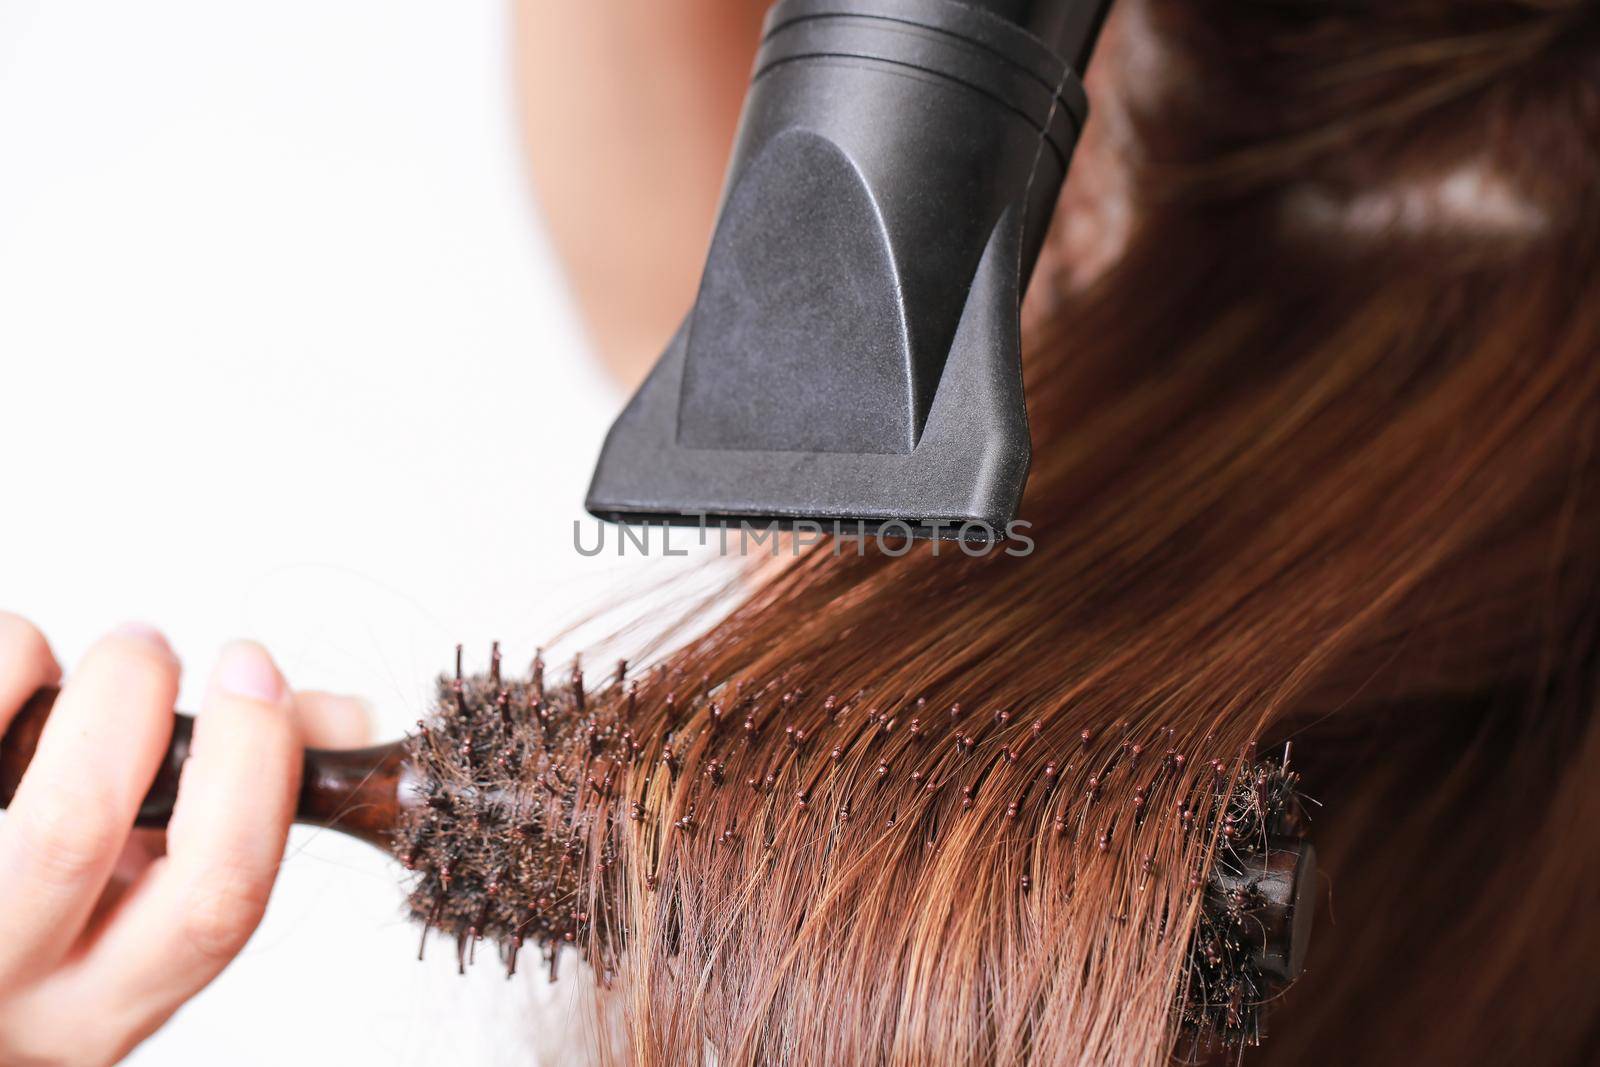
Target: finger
pixel 331 720
pixel 143 849
pixel 26 663
pixel 76 803
pixel 199 905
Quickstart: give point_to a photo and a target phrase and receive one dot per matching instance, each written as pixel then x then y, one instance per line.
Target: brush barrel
pixel 361 792
pixel 1278 885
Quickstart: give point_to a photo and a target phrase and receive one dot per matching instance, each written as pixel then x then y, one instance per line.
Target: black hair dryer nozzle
pixel 853 354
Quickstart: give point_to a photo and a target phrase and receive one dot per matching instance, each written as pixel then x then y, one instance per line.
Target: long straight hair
pixel 1315 459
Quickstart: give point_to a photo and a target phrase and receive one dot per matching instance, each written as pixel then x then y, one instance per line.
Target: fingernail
pixel 245 670
pixel 145 634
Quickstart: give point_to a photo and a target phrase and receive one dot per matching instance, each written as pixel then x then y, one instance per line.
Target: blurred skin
pixel 105 930
pixel 628 112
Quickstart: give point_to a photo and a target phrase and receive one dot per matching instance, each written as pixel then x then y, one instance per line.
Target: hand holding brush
pixel 508 801
pixel 104 931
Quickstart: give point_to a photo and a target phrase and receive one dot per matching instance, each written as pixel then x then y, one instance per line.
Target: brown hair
pixel 1315 459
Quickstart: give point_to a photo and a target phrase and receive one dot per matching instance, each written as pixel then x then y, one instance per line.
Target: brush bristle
pixel 499 842
pixel 1225 991
pixel 519 788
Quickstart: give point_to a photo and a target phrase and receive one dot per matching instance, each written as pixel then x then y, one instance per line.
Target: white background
pixel 283 354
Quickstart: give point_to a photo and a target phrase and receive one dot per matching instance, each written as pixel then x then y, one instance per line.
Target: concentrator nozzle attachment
pixel 853 355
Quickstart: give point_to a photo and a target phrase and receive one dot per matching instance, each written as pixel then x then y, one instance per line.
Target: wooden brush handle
pixel 360 792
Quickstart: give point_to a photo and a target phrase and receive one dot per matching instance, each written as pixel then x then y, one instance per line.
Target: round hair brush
pixel 508 803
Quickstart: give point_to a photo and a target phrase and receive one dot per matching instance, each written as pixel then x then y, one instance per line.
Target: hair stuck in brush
pixel 1314 459
pixel 517 826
